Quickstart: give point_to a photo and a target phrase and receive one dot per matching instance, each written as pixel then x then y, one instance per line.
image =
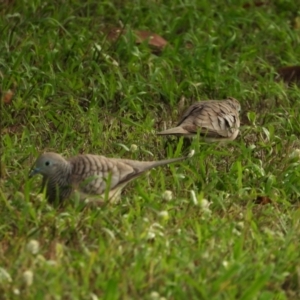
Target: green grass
pixel 75 92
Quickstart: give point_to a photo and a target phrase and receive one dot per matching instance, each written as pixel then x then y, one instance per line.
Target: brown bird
pixel 91 175
pixel 214 120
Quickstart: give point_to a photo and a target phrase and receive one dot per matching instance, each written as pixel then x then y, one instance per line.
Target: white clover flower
pixel 167 195
pixel 98 47
pixel 154 295
pixel 164 214
pixel 28 277
pixel 110 59
pixel 205 204
pixel 94 296
pixel 41 198
pixel 86 200
pixel 240 224
pixel 41 258
pixel 225 263
pixel 16 291
pixel 295 154
pixel 133 148
pixel 154 229
pixel 236 232
pixel 33 247
pixel 191 154
pixel 155 226
pixel 150 235
pixel 115 63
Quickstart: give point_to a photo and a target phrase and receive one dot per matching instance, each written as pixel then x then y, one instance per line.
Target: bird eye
pixel 47 163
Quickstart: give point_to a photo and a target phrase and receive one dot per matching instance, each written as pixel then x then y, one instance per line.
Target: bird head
pixel 47 164
pixel 235 103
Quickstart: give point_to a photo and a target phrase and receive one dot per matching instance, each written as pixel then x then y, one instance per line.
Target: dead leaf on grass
pixel 11 129
pixel 289 74
pixel 153 39
pixel 7 97
pixel 189 45
pixel 255 4
pixel 262 200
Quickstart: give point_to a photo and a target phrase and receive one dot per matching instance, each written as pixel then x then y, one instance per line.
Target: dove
pixel 90 175
pixel 214 120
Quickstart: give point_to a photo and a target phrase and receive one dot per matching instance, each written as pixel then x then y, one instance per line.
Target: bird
pixel 91 175
pixel 214 120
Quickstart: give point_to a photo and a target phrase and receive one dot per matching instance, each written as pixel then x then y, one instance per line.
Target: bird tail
pixel 141 167
pixel 147 165
pixel 170 161
pixel 174 131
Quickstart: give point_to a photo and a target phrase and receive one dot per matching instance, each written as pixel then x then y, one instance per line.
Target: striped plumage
pixel 214 120
pixel 89 174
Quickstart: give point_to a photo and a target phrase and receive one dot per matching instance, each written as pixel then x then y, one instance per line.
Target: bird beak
pixel 34 172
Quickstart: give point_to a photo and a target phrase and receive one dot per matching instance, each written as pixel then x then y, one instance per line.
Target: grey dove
pixel 90 175
pixel 214 120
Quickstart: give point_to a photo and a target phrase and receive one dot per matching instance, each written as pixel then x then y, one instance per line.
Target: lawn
pixel 224 224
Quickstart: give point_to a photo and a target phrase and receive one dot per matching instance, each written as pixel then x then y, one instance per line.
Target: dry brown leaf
pixel 189 45
pixel 114 33
pixel 7 97
pixel 153 39
pixel 262 200
pixel 289 74
pixel 7 2
pixel 255 4
pixel 11 129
